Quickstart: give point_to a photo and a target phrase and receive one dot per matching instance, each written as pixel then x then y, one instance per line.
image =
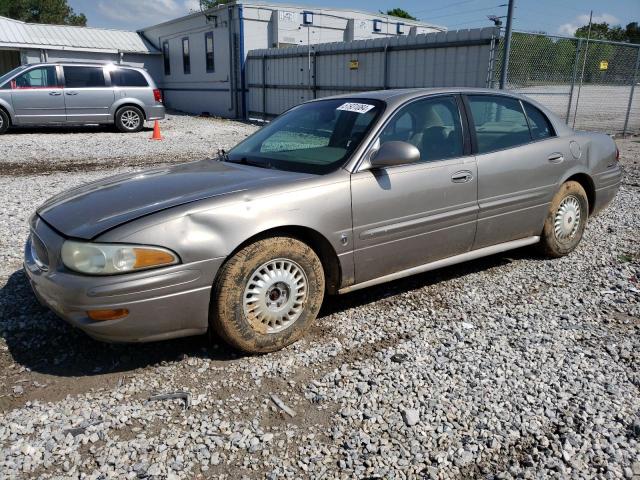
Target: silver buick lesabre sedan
pixel 334 195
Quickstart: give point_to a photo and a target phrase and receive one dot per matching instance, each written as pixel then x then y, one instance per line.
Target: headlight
pixel 107 259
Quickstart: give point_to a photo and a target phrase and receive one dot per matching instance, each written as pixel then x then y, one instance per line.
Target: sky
pixel 550 16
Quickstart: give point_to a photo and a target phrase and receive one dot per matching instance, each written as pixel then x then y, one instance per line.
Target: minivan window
pixel 433 126
pixel 538 122
pixel 83 77
pixel 123 77
pixel 316 137
pixel 42 77
pixel 11 73
pixel 499 122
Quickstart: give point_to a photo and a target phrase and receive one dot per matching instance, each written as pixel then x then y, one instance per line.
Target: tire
pixel 129 119
pixel 245 313
pixel 562 231
pixel 5 121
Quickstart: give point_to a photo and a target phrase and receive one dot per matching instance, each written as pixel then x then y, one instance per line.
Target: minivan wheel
pixel 267 295
pixel 566 220
pixel 129 119
pixel 4 121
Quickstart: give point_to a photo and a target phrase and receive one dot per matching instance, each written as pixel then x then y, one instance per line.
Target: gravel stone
pixel 390 383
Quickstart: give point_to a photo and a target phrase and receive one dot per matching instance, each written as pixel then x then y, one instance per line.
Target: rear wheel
pixel 267 295
pixel 566 220
pixel 4 121
pixel 129 119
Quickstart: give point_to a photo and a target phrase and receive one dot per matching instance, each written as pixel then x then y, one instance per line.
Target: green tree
pixel 54 12
pixel 604 31
pixel 206 4
pixel 398 12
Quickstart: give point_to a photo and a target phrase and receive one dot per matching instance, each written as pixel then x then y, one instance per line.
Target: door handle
pixel 71 93
pixel 55 94
pixel 464 176
pixel 556 158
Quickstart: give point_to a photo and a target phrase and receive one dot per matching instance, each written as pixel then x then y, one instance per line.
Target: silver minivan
pixel 79 93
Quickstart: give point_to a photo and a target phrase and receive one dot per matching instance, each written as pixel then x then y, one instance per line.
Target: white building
pixel 22 43
pixel 204 53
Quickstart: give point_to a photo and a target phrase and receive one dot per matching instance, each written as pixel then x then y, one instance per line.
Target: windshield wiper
pixel 246 161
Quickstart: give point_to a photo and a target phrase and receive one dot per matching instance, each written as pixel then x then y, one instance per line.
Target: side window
pixel 128 78
pixel 538 122
pixel 208 48
pixel 499 122
pixel 83 77
pixel 186 57
pixel 43 77
pixel 433 126
pixel 166 58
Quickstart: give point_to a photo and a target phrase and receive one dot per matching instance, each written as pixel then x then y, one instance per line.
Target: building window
pixel 400 28
pixel 377 25
pixel 208 48
pixel 307 18
pixel 167 60
pixel 186 59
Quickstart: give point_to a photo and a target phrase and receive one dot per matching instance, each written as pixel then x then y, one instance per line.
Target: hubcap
pixel 567 219
pixel 130 120
pixel 1 121
pixel 275 295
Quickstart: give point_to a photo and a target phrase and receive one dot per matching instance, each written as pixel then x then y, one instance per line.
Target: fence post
pixel 634 79
pixel 385 65
pixel 573 77
pixel 315 74
pixel 492 59
pixel 264 87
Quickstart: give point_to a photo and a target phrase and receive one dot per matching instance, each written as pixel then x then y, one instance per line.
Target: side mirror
pixel 395 153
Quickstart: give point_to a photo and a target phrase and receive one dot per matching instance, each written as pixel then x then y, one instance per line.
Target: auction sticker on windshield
pixel 356 107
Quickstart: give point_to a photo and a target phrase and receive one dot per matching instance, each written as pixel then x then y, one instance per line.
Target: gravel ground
pixel 507 367
pixel 29 151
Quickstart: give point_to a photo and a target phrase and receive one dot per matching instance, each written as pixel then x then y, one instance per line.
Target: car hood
pixel 87 211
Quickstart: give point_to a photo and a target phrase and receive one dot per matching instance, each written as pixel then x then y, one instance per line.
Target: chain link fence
pixel 591 85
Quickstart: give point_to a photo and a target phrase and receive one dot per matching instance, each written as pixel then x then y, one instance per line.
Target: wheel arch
pixel 6 108
pixel 128 103
pixel 589 187
pixel 318 242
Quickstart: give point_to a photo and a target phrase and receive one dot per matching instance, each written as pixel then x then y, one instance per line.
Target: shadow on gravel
pixel 44 130
pixel 46 344
pixel 40 341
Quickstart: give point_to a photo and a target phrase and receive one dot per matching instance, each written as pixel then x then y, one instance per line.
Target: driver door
pixel 37 96
pixel 408 215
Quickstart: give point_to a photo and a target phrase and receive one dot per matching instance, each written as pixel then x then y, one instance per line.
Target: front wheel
pixel 129 119
pixel 566 220
pixel 4 121
pixel 267 295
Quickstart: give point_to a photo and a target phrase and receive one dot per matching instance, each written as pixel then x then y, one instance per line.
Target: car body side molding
pixel 445 262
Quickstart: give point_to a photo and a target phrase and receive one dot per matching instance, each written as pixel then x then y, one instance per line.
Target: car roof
pixel 84 64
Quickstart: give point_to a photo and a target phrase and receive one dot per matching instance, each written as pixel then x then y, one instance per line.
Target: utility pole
pixel 507 46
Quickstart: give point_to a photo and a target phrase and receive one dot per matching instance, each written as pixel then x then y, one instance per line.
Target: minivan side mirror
pixel 394 153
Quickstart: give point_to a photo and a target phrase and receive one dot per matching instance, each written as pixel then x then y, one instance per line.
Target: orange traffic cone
pixel 156 132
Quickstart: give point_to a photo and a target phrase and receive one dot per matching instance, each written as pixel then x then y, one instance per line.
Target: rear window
pixel 83 77
pixel 128 78
pixel 499 122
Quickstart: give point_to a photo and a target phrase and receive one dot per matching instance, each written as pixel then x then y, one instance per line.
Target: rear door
pixel 520 161
pixel 88 94
pixel 408 215
pixel 37 97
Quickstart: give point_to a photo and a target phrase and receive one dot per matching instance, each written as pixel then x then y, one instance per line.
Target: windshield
pixel 11 73
pixel 315 137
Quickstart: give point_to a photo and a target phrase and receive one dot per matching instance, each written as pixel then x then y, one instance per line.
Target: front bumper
pixel 163 303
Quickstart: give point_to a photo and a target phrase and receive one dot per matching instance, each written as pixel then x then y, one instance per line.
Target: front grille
pixel 39 252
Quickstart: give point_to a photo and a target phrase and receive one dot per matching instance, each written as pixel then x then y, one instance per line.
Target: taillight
pixel 157 95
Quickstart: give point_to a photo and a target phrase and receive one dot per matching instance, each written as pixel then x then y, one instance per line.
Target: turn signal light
pixel 152 258
pixel 102 315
